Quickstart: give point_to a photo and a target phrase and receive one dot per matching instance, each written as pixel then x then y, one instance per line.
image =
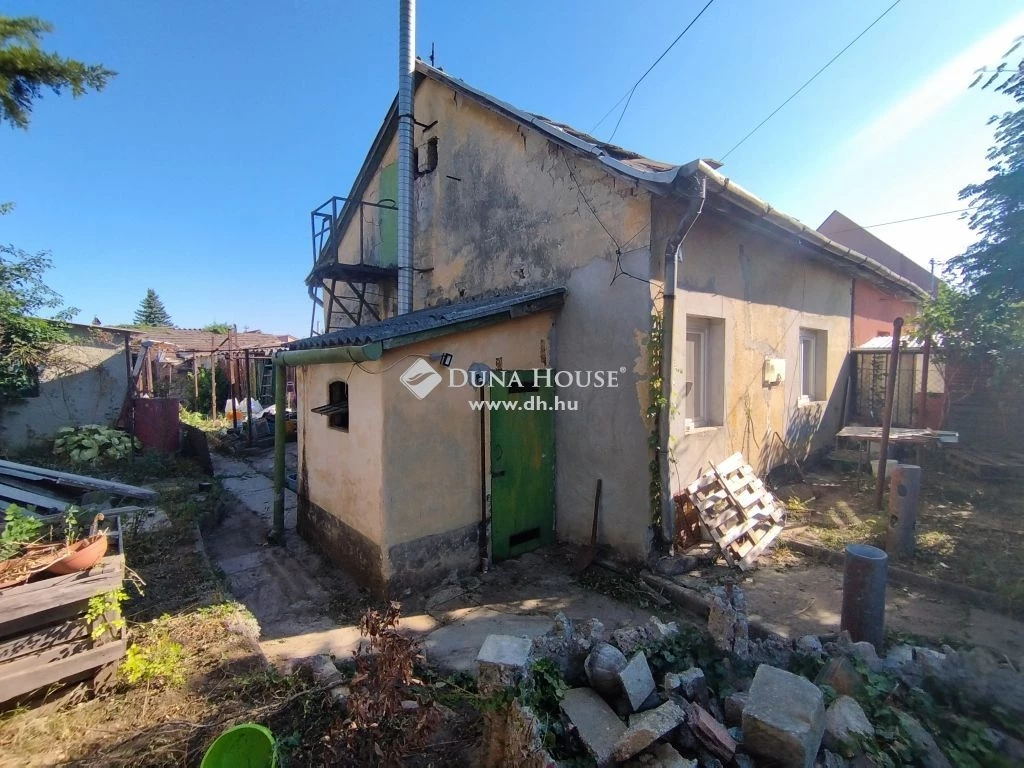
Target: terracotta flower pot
pixel 81 556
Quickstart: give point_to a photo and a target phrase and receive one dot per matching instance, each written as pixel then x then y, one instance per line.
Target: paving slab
pixel 597 725
pixel 454 647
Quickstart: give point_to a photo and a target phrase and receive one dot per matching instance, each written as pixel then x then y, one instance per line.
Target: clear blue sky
pixel 195 170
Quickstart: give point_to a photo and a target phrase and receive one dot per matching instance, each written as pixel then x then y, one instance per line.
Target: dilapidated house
pixel 659 315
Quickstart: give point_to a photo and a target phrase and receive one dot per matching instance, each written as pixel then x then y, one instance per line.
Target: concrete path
pixel 305 606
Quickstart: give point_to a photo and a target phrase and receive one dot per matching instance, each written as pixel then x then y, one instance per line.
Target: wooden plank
pixel 739 531
pixel 82 481
pixel 41 639
pixel 730 464
pixel 39 601
pixel 748 560
pixel 30 498
pixel 33 676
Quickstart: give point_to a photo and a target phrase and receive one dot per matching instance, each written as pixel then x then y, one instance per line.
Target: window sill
pixel 702 430
pixel 805 403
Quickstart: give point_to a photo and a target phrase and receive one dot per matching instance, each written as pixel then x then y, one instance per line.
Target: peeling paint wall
pixel 762 291
pixel 86 385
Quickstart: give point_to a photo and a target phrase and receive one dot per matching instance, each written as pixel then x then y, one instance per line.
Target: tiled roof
pixel 197 340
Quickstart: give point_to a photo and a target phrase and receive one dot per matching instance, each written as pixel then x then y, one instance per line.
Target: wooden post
pixel 890 391
pixel 926 361
pixel 213 385
pixel 233 390
pixel 248 395
pixel 195 380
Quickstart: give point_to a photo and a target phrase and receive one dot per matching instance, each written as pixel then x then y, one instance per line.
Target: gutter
pixel 673 256
pixel 753 204
pixel 299 358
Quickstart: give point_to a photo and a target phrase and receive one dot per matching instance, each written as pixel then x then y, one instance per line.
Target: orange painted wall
pixel 874 311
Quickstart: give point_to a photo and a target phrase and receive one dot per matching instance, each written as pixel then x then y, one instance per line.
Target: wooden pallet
pixel 984 465
pixel 736 511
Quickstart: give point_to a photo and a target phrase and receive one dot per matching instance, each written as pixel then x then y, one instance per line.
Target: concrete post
pixel 864 580
pixel 904 491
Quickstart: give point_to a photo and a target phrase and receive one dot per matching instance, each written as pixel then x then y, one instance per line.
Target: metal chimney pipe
pixel 406 71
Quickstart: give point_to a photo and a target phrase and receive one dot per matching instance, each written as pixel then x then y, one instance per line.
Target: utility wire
pixel 903 221
pixel 628 95
pixel 811 80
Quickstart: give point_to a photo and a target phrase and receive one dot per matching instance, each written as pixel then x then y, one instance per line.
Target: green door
pixel 522 467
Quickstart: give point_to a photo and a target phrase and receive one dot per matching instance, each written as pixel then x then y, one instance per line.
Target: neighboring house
pixel 86 384
pixel 541 250
pixel 875 307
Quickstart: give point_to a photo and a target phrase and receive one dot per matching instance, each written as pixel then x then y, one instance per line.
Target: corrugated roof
pixel 439 320
pixel 195 339
pixel 884 344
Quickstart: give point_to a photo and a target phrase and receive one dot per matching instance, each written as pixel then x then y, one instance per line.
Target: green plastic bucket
pixel 245 746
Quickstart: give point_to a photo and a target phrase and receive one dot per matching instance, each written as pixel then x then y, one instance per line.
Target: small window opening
pixel 426 157
pixel 336 409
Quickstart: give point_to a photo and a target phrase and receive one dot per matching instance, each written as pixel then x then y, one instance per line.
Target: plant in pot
pixel 80 554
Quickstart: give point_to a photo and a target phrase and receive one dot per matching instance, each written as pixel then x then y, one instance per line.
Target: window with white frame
pixel 704 372
pixel 811 363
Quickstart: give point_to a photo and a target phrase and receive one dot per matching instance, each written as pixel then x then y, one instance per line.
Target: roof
pixel 658 177
pixel 440 320
pixel 884 344
pixel 844 230
pixel 198 340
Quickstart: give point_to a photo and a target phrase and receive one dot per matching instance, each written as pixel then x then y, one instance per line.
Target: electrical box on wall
pixel 774 371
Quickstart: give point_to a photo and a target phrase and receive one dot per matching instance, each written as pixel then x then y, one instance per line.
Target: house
pixel 875 307
pixel 86 383
pixel 580 313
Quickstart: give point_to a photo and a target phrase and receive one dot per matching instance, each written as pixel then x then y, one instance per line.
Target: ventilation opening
pixel 523 537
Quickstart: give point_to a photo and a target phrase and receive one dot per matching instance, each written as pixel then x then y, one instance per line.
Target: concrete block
pixel 602 667
pixel 784 719
pixel 841 676
pixel 845 725
pixel 733 708
pixel 637 681
pixel 503 661
pixel 646 728
pixel 661 756
pixel 711 733
pixel 598 727
pixel 693 685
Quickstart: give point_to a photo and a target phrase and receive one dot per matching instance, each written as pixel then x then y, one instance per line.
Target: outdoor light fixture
pixel 445 358
pixel 478 374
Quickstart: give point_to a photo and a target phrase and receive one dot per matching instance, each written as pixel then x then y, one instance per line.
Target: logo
pixel 420 379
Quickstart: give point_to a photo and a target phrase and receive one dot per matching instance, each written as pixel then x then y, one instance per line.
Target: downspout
pixel 406 125
pixel 298 358
pixel 673 256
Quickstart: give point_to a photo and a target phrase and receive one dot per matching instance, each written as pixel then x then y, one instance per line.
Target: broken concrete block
pixel 693 685
pixel 671 682
pixel 339 695
pixel 636 681
pixel 630 639
pixel 503 661
pixel 840 675
pixel 646 728
pixel 733 708
pixel 727 620
pixel 602 669
pixel 922 742
pixel 784 719
pixel 598 727
pixel 865 651
pixel 845 725
pixel 809 645
pixel 659 630
pixel 567 644
pixel 831 760
pixel 661 756
pixel 711 733
pixel 321 667
pixel 409 705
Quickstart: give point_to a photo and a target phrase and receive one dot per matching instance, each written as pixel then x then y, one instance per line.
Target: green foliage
pixel 26 69
pixel 156 661
pixel 216 327
pixel 98 608
pixel 545 690
pixel 151 312
pixel 694 647
pixel 202 404
pixel 27 342
pixel 656 394
pixel 93 443
pixel 19 528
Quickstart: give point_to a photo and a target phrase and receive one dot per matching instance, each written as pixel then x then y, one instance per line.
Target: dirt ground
pixel 968 532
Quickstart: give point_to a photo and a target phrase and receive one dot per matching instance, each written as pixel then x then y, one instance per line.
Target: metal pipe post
pixel 248 394
pixel 864 578
pixel 890 393
pixel 904 492
pixel 280 384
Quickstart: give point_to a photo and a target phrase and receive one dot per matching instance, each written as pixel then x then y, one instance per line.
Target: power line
pixel 811 80
pixel 903 221
pixel 628 95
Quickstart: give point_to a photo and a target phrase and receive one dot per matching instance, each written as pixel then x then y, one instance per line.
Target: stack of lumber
pixel 50 490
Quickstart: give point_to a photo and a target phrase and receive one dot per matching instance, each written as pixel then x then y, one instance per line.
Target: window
pixel 704 374
pixel 812 364
pixel 336 409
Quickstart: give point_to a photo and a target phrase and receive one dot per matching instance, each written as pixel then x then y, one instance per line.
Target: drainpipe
pixel 299 358
pixel 673 256
pixel 406 125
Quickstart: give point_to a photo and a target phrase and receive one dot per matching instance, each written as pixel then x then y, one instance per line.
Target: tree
pixel 217 328
pixel 151 311
pixel 27 343
pixel 981 316
pixel 26 69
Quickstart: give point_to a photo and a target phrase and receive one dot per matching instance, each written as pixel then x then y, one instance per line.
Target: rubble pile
pixel 745 708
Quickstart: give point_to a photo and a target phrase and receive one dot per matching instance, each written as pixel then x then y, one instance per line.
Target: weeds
pixel 159 661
